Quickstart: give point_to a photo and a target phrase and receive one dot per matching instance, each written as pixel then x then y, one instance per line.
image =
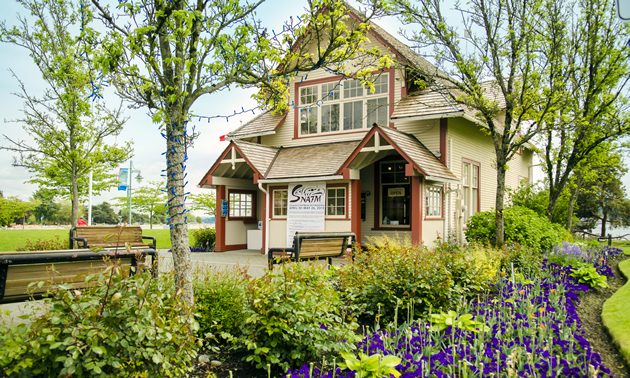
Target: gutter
pixel 442 179
pixel 301 179
pixel 429 116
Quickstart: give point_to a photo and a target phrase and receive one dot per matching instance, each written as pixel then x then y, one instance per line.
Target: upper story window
pixel 343 106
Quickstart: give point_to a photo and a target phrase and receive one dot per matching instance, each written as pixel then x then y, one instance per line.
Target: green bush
pixel 115 326
pixel 395 278
pixel 44 245
pixel 295 316
pixel 220 300
pixel 204 238
pixel 522 226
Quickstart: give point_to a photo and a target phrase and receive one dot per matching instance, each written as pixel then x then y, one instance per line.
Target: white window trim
pixel 345 203
pixel 428 198
pixel 273 205
pixel 342 100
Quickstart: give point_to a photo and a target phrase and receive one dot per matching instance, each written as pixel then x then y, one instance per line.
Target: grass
pixel 623 245
pixel 11 239
pixel 615 314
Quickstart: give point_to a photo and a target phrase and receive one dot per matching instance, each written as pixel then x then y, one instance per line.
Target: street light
pixel 139 178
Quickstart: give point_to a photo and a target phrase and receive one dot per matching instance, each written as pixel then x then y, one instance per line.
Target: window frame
pixel 346 216
pixel 254 194
pixel 385 80
pixel 440 188
pixel 272 190
pixel 469 201
pixel 381 194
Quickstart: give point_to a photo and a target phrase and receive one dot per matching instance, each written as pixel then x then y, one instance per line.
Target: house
pixel 401 159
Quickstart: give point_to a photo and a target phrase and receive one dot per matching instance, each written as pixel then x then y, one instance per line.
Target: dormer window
pixel 341 106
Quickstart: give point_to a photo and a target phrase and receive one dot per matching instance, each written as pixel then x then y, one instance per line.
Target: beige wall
pixel 236 230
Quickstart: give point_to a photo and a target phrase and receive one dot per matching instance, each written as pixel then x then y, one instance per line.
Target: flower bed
pixel 532 330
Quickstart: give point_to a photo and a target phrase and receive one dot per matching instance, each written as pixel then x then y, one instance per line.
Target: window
pixel 433 201
pixel 336 202
pixel 280 198
pixel 342 106
pixel 242 204
pixel 470 193
pixel 395 194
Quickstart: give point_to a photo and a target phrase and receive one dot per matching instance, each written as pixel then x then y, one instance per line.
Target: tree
pixel 47 207
pixel 67 131
pixel 149 199
pixel 12 208
pixel 588 74
pixel 603 199
pixel 170 53
pixel 104 214
pixel 501 44
pixel 205 202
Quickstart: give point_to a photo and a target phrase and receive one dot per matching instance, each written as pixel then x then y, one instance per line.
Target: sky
pixel 148 143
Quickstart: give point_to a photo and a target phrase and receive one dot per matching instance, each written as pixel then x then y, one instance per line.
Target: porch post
pixel 355 196
pixel 265 220
pixel 416 210
pixel 219 221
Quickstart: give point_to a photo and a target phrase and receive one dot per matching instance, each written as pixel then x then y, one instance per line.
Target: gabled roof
pixel 424 160
pixel 426 104
pixel 263 124
pixel 311 161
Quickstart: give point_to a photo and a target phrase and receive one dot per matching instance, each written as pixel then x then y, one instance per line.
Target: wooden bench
pixel 19 269
pixel 312 245
pixel 109 237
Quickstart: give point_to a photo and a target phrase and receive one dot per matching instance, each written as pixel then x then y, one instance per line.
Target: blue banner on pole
pixel 123 178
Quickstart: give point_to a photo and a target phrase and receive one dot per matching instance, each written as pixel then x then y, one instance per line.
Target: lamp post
pixel 139 178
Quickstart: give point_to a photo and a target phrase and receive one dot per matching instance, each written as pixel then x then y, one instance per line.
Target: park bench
pixel 312 245
pixel 109 237
pixel 19 269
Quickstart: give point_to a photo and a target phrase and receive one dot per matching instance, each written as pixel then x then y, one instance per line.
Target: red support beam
pixel 219 220
pixel 416 210
pixel 355 195
pixel 443 136
pixel 264 220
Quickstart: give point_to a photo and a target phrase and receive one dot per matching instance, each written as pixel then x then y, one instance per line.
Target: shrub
pixel 43 245
pixel 295 316
pixel 205 238
pixel 522 226
pixel 393 278
pixel 220 300
pixel 115 326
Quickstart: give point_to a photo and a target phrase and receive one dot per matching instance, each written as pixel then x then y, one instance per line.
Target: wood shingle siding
pixel 259 155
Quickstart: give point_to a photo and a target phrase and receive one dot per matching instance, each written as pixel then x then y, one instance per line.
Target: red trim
pixel 223 155
pixel 443 135
pixel 408 169
pixel 340 185
pixel 403 90
pixel 208 176
pixel 220 221
pixel 366 139
pixel 271 189
pixel 234 247
pixel 416 210
pixel 247 161
pixel 392 82
pixel 377 195
pixel 254 217
pixel 355 224
pixel 278 125
pixel 265 220
pixel 296 119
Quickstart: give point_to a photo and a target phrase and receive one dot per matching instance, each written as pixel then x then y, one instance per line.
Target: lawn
pixel 11 239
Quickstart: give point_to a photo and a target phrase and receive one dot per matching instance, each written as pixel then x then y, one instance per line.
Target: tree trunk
pixel 75 195
pixel 604 220
pixel 175 160
pixel 151 220
pixel 499 204
pixel 574 195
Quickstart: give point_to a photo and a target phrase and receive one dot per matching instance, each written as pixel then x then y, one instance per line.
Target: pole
pixel 129 190
pixel 89 220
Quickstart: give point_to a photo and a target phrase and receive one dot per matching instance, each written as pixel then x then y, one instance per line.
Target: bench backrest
pixel 109 236
pixel 315 248
pixel 20 275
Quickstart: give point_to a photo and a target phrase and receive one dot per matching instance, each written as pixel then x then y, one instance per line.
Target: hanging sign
pixel 123 178
pixel 396 192
pixel 306 208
